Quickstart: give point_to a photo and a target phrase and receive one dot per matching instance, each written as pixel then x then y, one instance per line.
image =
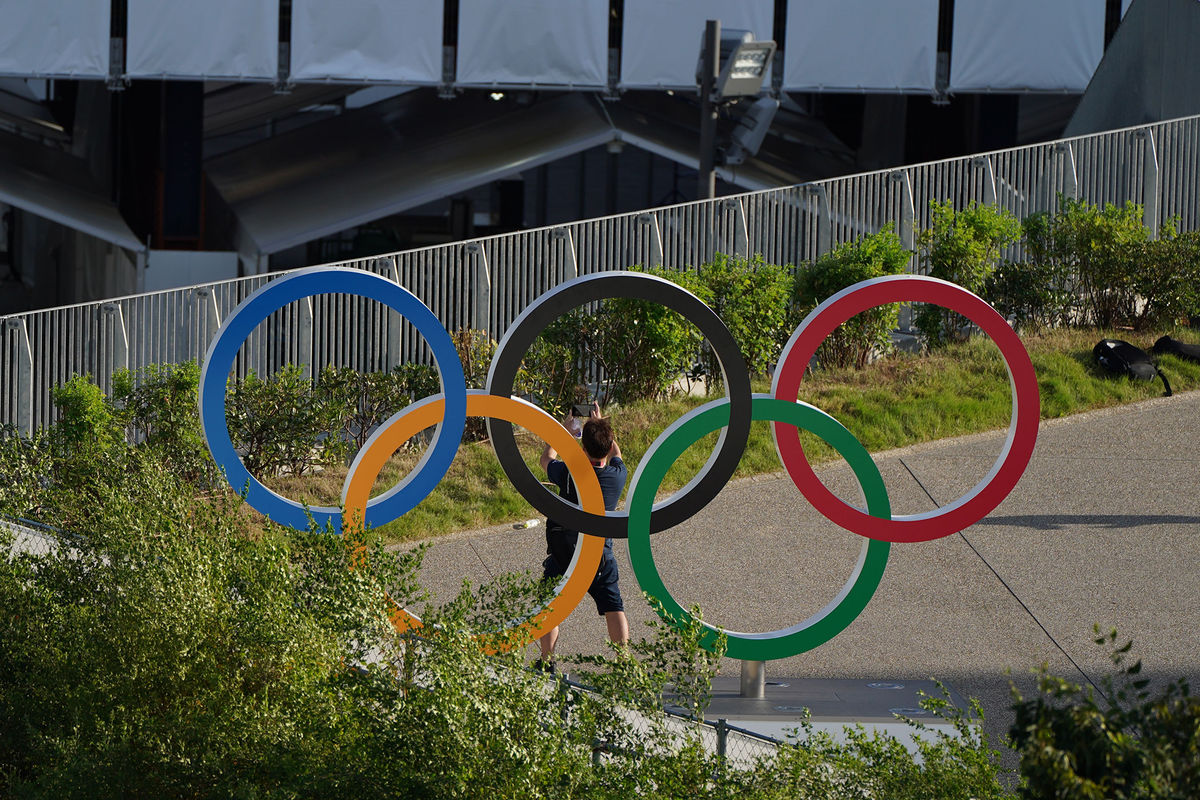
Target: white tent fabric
pixel 367 40
pixel 860 45
pixel 54 38
pixel 224 39
pixel 661 41
pixel 1008 45
pixel 547 42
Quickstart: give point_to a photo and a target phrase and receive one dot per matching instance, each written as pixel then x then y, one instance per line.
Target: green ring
pixel 854 596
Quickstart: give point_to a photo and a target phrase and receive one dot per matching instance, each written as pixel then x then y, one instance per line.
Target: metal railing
pixel 485 283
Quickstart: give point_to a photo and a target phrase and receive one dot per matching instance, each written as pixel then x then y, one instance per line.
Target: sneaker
pixel 546 666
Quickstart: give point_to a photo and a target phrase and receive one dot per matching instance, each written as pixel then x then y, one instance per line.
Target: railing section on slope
pixel 485 283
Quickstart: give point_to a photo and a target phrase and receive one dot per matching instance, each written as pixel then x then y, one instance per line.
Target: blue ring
pixel 275 295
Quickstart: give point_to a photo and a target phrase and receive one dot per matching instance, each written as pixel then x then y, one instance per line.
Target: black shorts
pixel 604 589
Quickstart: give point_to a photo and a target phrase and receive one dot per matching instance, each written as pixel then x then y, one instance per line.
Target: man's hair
pixel 597 438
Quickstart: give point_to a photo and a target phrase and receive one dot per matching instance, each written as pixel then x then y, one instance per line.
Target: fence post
pixel 391 270
pixel 119 353
pixel 206 316
pixel 648 225
pixel 1149 181
pixel 1070 177
pixel 567 243
pixel 722 729
pixel 481 288
pixel 907 210
pixel 24 375
pixel 304 336
pixel 741 237
pixel 824 218
pixel 989 178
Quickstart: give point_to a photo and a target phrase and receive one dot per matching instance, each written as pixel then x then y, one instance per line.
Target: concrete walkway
pixel 1104 528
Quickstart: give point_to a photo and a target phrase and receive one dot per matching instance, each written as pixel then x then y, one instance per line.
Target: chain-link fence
pixel 28 537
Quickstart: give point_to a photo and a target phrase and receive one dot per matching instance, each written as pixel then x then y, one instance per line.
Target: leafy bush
pixel 361 401
pixel 751 297
pixel 1036 291
pixel 1101 249
pixel 282 425
pixel 475 350
pixel 630 349
pixel 552 374
pixel 1167 279
pixel 962 247
pixel 86 433
pixel 854 341
pixel 640 347
pixel 1133 744
pixel 158 407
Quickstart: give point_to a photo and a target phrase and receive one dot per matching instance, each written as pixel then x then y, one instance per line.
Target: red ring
pixel 1022 432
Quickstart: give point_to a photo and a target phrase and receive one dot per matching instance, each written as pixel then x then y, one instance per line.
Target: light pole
pixel 706 180
pixel 732 65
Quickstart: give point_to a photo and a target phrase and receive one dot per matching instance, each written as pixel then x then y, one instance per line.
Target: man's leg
pixel 618 627
pixel 547 643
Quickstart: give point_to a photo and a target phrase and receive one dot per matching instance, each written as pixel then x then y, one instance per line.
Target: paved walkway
pixel 1104 528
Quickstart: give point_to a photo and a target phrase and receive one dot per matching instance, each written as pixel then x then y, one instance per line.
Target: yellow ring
pixel 407 423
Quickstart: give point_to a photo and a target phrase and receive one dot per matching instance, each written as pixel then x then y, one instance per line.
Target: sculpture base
pixel 831 704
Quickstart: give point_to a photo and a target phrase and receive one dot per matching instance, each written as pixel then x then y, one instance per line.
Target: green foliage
pixel 282 425
pixel 854 341
pixel 475 351
pixel 640 348
pixel 631 349
pixel 1167 279
pixel 958 765
pixel 751 297
pixel 355 403
pixel 962 247
pixel 158 406
pixel 1037 291
pixel 1133 744
pixel 86 433
pixel 1101 249
pixel 551 374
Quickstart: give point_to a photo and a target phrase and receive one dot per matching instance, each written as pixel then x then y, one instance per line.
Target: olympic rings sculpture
pixel 731 416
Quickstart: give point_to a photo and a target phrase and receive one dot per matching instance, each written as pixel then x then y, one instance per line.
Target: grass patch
pixel 902 400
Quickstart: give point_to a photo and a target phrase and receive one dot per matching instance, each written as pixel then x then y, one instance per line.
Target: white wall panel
pixel 661 41
pixel 861 45
pixel 547 42
pixel 1008 45
pixel 367 40
pixel 54 38
pixel 236 39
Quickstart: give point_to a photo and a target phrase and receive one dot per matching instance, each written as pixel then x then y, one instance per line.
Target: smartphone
pixel 579 410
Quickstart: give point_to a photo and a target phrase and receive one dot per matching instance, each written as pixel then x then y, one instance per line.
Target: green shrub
pixel 360 401
pixel 630 349
pixel 640 347
pixel 1132 744
pixel 962 247
pixel 1102 250
pixel 1037 291
pixel 552 374
pixel 86 434
pixel 854 341
pixel 1167 279
pixel 282 425
pixel 752 298
pixel 158 405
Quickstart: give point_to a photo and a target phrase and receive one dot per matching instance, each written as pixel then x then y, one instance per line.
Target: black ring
pixel 637 286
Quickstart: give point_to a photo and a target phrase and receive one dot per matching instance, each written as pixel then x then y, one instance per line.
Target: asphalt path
pixel 1103 528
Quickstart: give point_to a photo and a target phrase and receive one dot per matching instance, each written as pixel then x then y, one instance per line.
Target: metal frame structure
pixel 486 283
